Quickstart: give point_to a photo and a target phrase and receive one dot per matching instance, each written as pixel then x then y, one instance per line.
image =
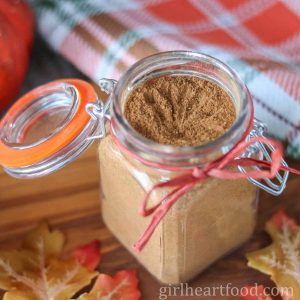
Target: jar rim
pixel 186 155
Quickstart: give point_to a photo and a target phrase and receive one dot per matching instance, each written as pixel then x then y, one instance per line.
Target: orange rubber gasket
pixel 15 158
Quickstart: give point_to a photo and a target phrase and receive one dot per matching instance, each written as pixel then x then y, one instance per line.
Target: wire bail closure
pixel 101 112
pixel 265 184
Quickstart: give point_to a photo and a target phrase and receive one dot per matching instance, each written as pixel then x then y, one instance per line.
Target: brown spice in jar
pixel 180 110
pixel 208 221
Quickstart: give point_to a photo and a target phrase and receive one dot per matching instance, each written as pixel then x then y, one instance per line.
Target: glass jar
pixel 50 126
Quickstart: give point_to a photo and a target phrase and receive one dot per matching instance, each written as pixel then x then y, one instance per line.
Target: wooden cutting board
pixel 69 200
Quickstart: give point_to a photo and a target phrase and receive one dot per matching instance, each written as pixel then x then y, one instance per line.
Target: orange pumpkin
pixel 16 38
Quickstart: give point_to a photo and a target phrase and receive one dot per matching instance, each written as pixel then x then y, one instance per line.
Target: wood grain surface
pixel 69 200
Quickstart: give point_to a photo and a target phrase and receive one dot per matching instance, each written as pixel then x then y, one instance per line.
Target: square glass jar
pixel 208 221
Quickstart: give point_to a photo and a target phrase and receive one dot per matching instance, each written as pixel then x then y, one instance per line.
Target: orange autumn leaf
pixel 88 255
pixel 122 286
pixel 280 218
pixel 281 260
pixel 255 293
pixel 36 271
pixel 258 293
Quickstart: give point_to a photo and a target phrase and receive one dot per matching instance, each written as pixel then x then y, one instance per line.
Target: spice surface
pixel 180 110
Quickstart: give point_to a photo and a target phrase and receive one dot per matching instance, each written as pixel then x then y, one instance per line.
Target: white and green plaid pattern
pixel 102 38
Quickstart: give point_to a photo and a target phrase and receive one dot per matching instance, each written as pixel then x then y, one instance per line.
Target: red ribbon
pixel 218 169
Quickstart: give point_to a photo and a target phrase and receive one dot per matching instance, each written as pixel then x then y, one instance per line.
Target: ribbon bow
pixel 218 169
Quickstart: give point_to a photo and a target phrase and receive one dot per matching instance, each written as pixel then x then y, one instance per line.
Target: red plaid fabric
pixel 260 39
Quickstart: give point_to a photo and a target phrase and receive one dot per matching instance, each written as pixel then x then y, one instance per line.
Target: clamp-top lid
pixel 48 128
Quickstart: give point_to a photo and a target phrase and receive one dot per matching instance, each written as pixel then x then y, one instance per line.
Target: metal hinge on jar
pixel 268 185
pixel 99 110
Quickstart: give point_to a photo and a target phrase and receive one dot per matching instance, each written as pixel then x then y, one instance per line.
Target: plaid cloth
pixel 260 39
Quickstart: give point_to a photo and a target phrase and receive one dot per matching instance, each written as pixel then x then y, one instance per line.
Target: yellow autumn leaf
pixel 37 271
pixel 53 241
pixel 281 260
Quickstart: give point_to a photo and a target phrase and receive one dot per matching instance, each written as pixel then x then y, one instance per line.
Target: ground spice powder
pixel 180 110
pixel 208 221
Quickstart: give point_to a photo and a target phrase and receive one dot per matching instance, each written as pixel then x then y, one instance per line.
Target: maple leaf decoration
pixel 123 286
pixel 37 271
pixel 88 255
pixel 281 260
pixel 255 293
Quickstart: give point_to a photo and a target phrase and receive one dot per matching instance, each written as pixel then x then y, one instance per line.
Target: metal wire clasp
pixel 268 185
pixel 98 111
